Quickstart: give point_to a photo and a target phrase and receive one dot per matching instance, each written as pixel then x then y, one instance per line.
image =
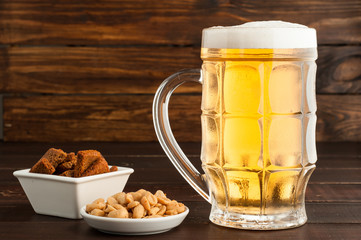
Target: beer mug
pixel 258 123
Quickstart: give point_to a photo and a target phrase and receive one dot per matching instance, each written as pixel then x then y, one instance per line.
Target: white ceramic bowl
pixel 64 196
pixel 130 226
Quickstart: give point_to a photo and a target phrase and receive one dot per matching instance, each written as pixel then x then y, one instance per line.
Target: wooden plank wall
pixel 87 70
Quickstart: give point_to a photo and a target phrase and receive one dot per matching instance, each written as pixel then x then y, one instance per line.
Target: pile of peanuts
pixel 139 204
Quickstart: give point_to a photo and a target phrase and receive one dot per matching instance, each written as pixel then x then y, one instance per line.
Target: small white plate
pixel 130 226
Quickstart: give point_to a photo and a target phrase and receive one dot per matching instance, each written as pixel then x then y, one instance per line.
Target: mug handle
pixel 164 132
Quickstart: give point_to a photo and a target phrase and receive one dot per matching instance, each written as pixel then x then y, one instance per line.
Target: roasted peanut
pixel 90 207
pixel 109 208
pixel 162 210
pixel 136 196
pixel 99 200
pixel 118 206
pixel 138 211
pixel 171 212
pixel 111 201
pixel 120 213
pixel 139 204
pixel 141 191
pixel 144 201
pixel 129 198
pixel 162 200
pixel 172 205
pixel 132 204
pixel 120 197
pixel 181 208
pixel 151 199
pixel 153 211
pixel 97 212
pixel 160 193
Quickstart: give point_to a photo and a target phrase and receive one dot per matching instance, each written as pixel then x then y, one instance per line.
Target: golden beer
pixel 256 110
pixel 258 123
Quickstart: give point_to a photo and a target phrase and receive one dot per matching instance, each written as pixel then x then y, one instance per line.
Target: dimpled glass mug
pixel 258 123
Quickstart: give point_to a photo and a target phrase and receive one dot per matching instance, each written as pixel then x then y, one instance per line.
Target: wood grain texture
pixel 317 213
pixel 122 51
pixel 129 118
pixel 95 69
pixel 188 230
pixel 89 118
pixel 339 70
pixel 332 209
pixel 171 176
pixel 339 118
pixel 11 191
pixel 329 153
pixel 113 70
pixel 20 161
pixel 165 22
pixel 315 193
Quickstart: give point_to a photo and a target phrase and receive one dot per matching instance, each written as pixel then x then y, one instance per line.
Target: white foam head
pixel 262 34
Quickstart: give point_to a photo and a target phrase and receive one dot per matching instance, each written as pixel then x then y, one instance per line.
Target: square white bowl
pixel 64 196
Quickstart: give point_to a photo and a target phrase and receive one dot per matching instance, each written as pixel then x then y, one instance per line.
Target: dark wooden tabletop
pixel 333 197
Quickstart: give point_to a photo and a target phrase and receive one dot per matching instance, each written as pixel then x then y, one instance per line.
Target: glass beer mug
pixel 258 123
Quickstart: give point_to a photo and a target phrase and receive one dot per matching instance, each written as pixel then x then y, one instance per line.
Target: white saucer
pixel 129 226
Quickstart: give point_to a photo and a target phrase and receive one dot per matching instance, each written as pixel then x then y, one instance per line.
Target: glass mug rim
pixel 259 54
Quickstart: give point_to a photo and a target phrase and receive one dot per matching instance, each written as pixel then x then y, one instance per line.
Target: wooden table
pixel 333 195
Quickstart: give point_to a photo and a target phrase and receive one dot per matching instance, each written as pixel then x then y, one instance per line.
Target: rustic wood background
pixel 87 70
